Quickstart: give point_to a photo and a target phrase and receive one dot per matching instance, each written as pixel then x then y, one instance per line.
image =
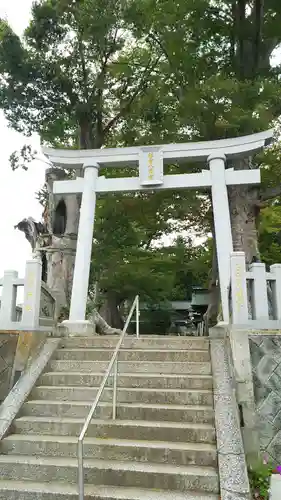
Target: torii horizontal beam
pixel 193 151
pixel 178 181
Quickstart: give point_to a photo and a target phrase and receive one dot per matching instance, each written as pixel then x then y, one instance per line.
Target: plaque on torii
pixel 150 161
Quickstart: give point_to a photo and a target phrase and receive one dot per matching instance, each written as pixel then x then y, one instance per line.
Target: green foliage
pixel 22 158
pixel 126 260
pixel 155 318
pixel 270 234
pixel 206 88
pixel 259 477
pixel 191 266
pixel 61 79
pixel 94 64
pixel 94 73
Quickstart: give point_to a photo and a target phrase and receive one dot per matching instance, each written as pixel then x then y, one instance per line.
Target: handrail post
pixel 80 470
pixel 138 316
pixel 114 401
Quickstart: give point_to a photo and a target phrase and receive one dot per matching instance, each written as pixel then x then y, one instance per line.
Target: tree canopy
pixel 95 73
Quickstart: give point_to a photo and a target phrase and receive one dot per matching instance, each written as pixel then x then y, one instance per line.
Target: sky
pixel 17 189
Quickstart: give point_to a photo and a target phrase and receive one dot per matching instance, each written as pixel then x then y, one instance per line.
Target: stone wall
pixel 29 345
pixel 17 350
pixel 8 345
pixel 266 364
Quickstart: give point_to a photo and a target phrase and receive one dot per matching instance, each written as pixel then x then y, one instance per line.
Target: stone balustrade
pixel 39 305
pixel 255 294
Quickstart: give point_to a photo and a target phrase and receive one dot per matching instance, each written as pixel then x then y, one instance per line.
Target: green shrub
pixel 259 477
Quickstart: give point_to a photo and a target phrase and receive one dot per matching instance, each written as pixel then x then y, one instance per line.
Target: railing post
pixel 138 316
pixel 95 301
pixel 8 299
pixel 32 293
pixel 80 470
pixel 239 300
pixel 114 400
pixel 276 289
pixel 260 300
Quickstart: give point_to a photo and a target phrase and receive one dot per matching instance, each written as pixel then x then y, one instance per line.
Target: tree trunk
pixel 243 215
pixel 103 327
pixel 110 311
pixel 211 315
pixel 60 267
pixel 61 216
pixel 243 203
pixel 243 221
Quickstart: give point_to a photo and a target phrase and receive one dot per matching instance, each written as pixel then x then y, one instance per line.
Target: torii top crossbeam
pixel 150 160
pixel 193 151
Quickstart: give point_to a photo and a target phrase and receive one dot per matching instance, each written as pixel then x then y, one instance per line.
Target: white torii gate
pixel 151 160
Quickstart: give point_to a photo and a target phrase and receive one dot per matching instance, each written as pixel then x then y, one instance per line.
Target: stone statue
pixel 55 241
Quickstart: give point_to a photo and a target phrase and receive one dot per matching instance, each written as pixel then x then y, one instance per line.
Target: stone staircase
pixel 161 447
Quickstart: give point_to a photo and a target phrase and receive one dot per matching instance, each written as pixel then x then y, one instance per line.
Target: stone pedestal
pixel 78 328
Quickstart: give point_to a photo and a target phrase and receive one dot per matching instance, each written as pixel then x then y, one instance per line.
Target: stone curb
pixel 18 394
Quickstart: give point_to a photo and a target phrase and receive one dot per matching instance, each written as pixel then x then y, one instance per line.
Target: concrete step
pixel 125 411
pixel 91 354
pixel 167 367
pixel 121 429
pixel 144 342
pixel 124 395
pixel 113 473
pixel 199 454
pixel 147 380
pixel 27 490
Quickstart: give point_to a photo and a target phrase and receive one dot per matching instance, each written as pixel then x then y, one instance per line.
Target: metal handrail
pixel 113 361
